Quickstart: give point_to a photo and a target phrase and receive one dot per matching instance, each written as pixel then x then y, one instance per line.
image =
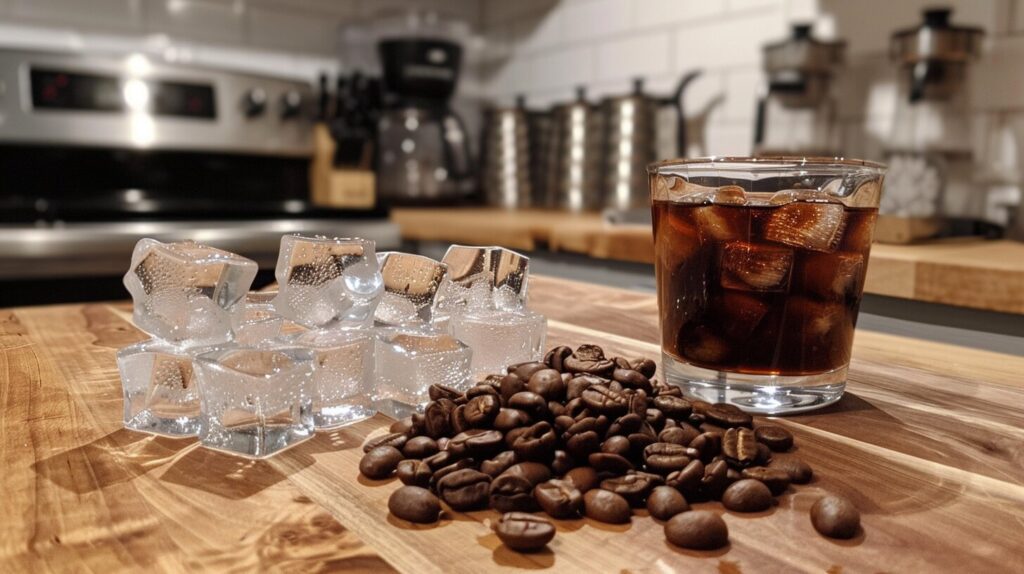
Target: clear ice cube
pixel 187 293
pixel 342 376
pixel 256 401
pixel 160 392
pixel 259 322
pixel 814 226
pixel 327 282
pixel 756 267
pixel 722 223
pixel 409 361
pixel 831 276
pixel 500 338
pixel 738 314
pixel 411 284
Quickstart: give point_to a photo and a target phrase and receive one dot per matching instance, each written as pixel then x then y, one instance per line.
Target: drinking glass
pixel 760 266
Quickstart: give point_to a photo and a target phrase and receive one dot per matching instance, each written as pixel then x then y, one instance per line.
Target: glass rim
pixel 716 163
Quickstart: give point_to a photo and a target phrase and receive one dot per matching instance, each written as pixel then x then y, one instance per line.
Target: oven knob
pixel 291 104
pixel 254 102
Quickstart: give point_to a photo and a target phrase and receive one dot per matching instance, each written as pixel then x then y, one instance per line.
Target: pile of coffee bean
pixel 581 434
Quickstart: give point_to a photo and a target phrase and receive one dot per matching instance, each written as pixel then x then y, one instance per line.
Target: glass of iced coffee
pixel 760 268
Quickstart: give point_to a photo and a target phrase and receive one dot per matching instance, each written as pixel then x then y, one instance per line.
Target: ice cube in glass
pixel 342 375
pixel 255 401
pixel 160 392
pixel 327 282
pixel 259 322
pixel 187 293
pixel 409 361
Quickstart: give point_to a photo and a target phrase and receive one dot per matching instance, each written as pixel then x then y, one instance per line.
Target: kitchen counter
pixel 927 442
pixel 971 273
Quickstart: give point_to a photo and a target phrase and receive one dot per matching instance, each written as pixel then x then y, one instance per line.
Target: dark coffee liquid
pixel 761 289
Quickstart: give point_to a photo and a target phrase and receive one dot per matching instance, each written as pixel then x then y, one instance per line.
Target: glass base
pixel 333 417
pixel 762 394
pixel 174 427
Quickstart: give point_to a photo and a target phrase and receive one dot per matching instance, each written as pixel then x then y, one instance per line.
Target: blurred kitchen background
pixel 525 123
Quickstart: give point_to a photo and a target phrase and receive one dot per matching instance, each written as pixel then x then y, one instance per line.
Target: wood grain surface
pixel 963 272
pixel 928 442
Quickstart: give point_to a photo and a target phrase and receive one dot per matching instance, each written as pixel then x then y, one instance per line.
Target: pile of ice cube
pixel 348 333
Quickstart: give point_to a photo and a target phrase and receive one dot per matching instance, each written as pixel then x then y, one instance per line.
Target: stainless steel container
pixel 507 171
pixel 575 162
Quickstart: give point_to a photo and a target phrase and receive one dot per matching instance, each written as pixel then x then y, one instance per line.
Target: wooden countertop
pixel 967 273
pixel 928 442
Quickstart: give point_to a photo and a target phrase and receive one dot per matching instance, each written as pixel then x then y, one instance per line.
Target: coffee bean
pixel 665 457
pixel 636 403
pixel 436 418
pixel 510 385
pixel 776 479
pixel 697 530
pixel 414 472
pixel 666 390
pixel 439 474
pixel 499 464
pixel 437 392
pixel 774 437
pixel 547 383
pixel 394 439
pixel 799 471
pixel 509 419
pixel 835 517
pixel 465 489
pixel 683 434
pixel 457 420
pixel 584 478
pixel 512 493
pixel 481 410
pixel 739 446
pixel 656 419
pixel 687 480
pixel 617 444
pixel 576 385
pixel 555 409
pixel 715 479
pixel 607 462
pixel 477 443
pixel 531 403
pixel 664 502
pixel 524 532
pixel 676 408
pixel 537 444
pixel 440 460
pixel 708 444
pixel 727 415
pixel 482 388
pixel 420 447
pixel 606 506
pixel 747 495
pixel 588 359
pixel 512 435
pixel 525 370
pixel 559 498
pixel 633 487
pixel 625 425
pixel 581 444
pixel 638 441
pixel 402 426
pixel 562 463
pixel 555 357
pixel 562 423
pixel 632 379
pixel 380 462
pixel 602 399
pixel 645 367
pixel 414 504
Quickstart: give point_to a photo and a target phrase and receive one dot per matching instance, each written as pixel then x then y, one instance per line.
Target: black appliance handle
pixel 759 115
pixel 682 138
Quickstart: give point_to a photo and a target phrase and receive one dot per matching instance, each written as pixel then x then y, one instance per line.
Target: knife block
pixel 352 187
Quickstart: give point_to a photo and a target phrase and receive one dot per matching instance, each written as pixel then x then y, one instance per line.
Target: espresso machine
pixel 930 189
pixel 797 116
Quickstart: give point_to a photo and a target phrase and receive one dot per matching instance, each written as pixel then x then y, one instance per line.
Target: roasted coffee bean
pixel 563 423
pixel 548 384
pixel 436 418
pixel 708 427
pixel 615 386
pixel 439 474
pixel 531 403
pixel 457 420
pixel 835 517
pixel 638 441
pixel 499 464
pixel 537 444
pixel 665 457
pixel 715 479
pixel 625 425
pixel 732 475
pixel 697 530
pixel 512 491
pixel 727 415
pixel 621 362
pixel 394 439
pixel 481 410
pixel 617 444
pixel 776 479
pixel 526 370
pixel 465 489
pixel 645 367
pixel 799 471
pixel 402 426
pixel 442 443
pixel 656 419
pixel 602 399
pixel 555 409
pixel 476 443
pixel 420 447
pixel 414 504
pixel 688 480
pixel 683 434
pixel 510 385
pixel 584 478
pixel 580 445
pixel 709 445
pixel 700 407
pixel 588 359
pixel 559 498
pixel 670 423
pixel 666 390
pixel 774 437
pixel 633 487
pixel 636 403
pixel 512 435
pixel 414 472
pixel 608 462
pixel 562 462
pixel 509 419
pixel 437 392
pixel 747 495
pixel 576 385
pixel 664 502
pixel 482 389
pixel 764 455
pixel 632 380
pixel 606 506
pixel 440 460
pixel 524 532
pixel 676 408
pixel 555 357
pixel 695 419
pixel 739 446
pixel 577 409
pixel 380 462
pixel 534 472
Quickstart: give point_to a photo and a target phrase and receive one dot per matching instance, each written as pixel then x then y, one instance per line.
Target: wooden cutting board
pixel 928 442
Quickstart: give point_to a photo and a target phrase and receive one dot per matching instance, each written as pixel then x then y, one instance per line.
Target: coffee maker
pixel 930 188
pixel 797 116
pixel 424 153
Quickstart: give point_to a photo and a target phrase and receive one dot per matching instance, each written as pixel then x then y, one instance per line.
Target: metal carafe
pixel 505 153
pixel 575 162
